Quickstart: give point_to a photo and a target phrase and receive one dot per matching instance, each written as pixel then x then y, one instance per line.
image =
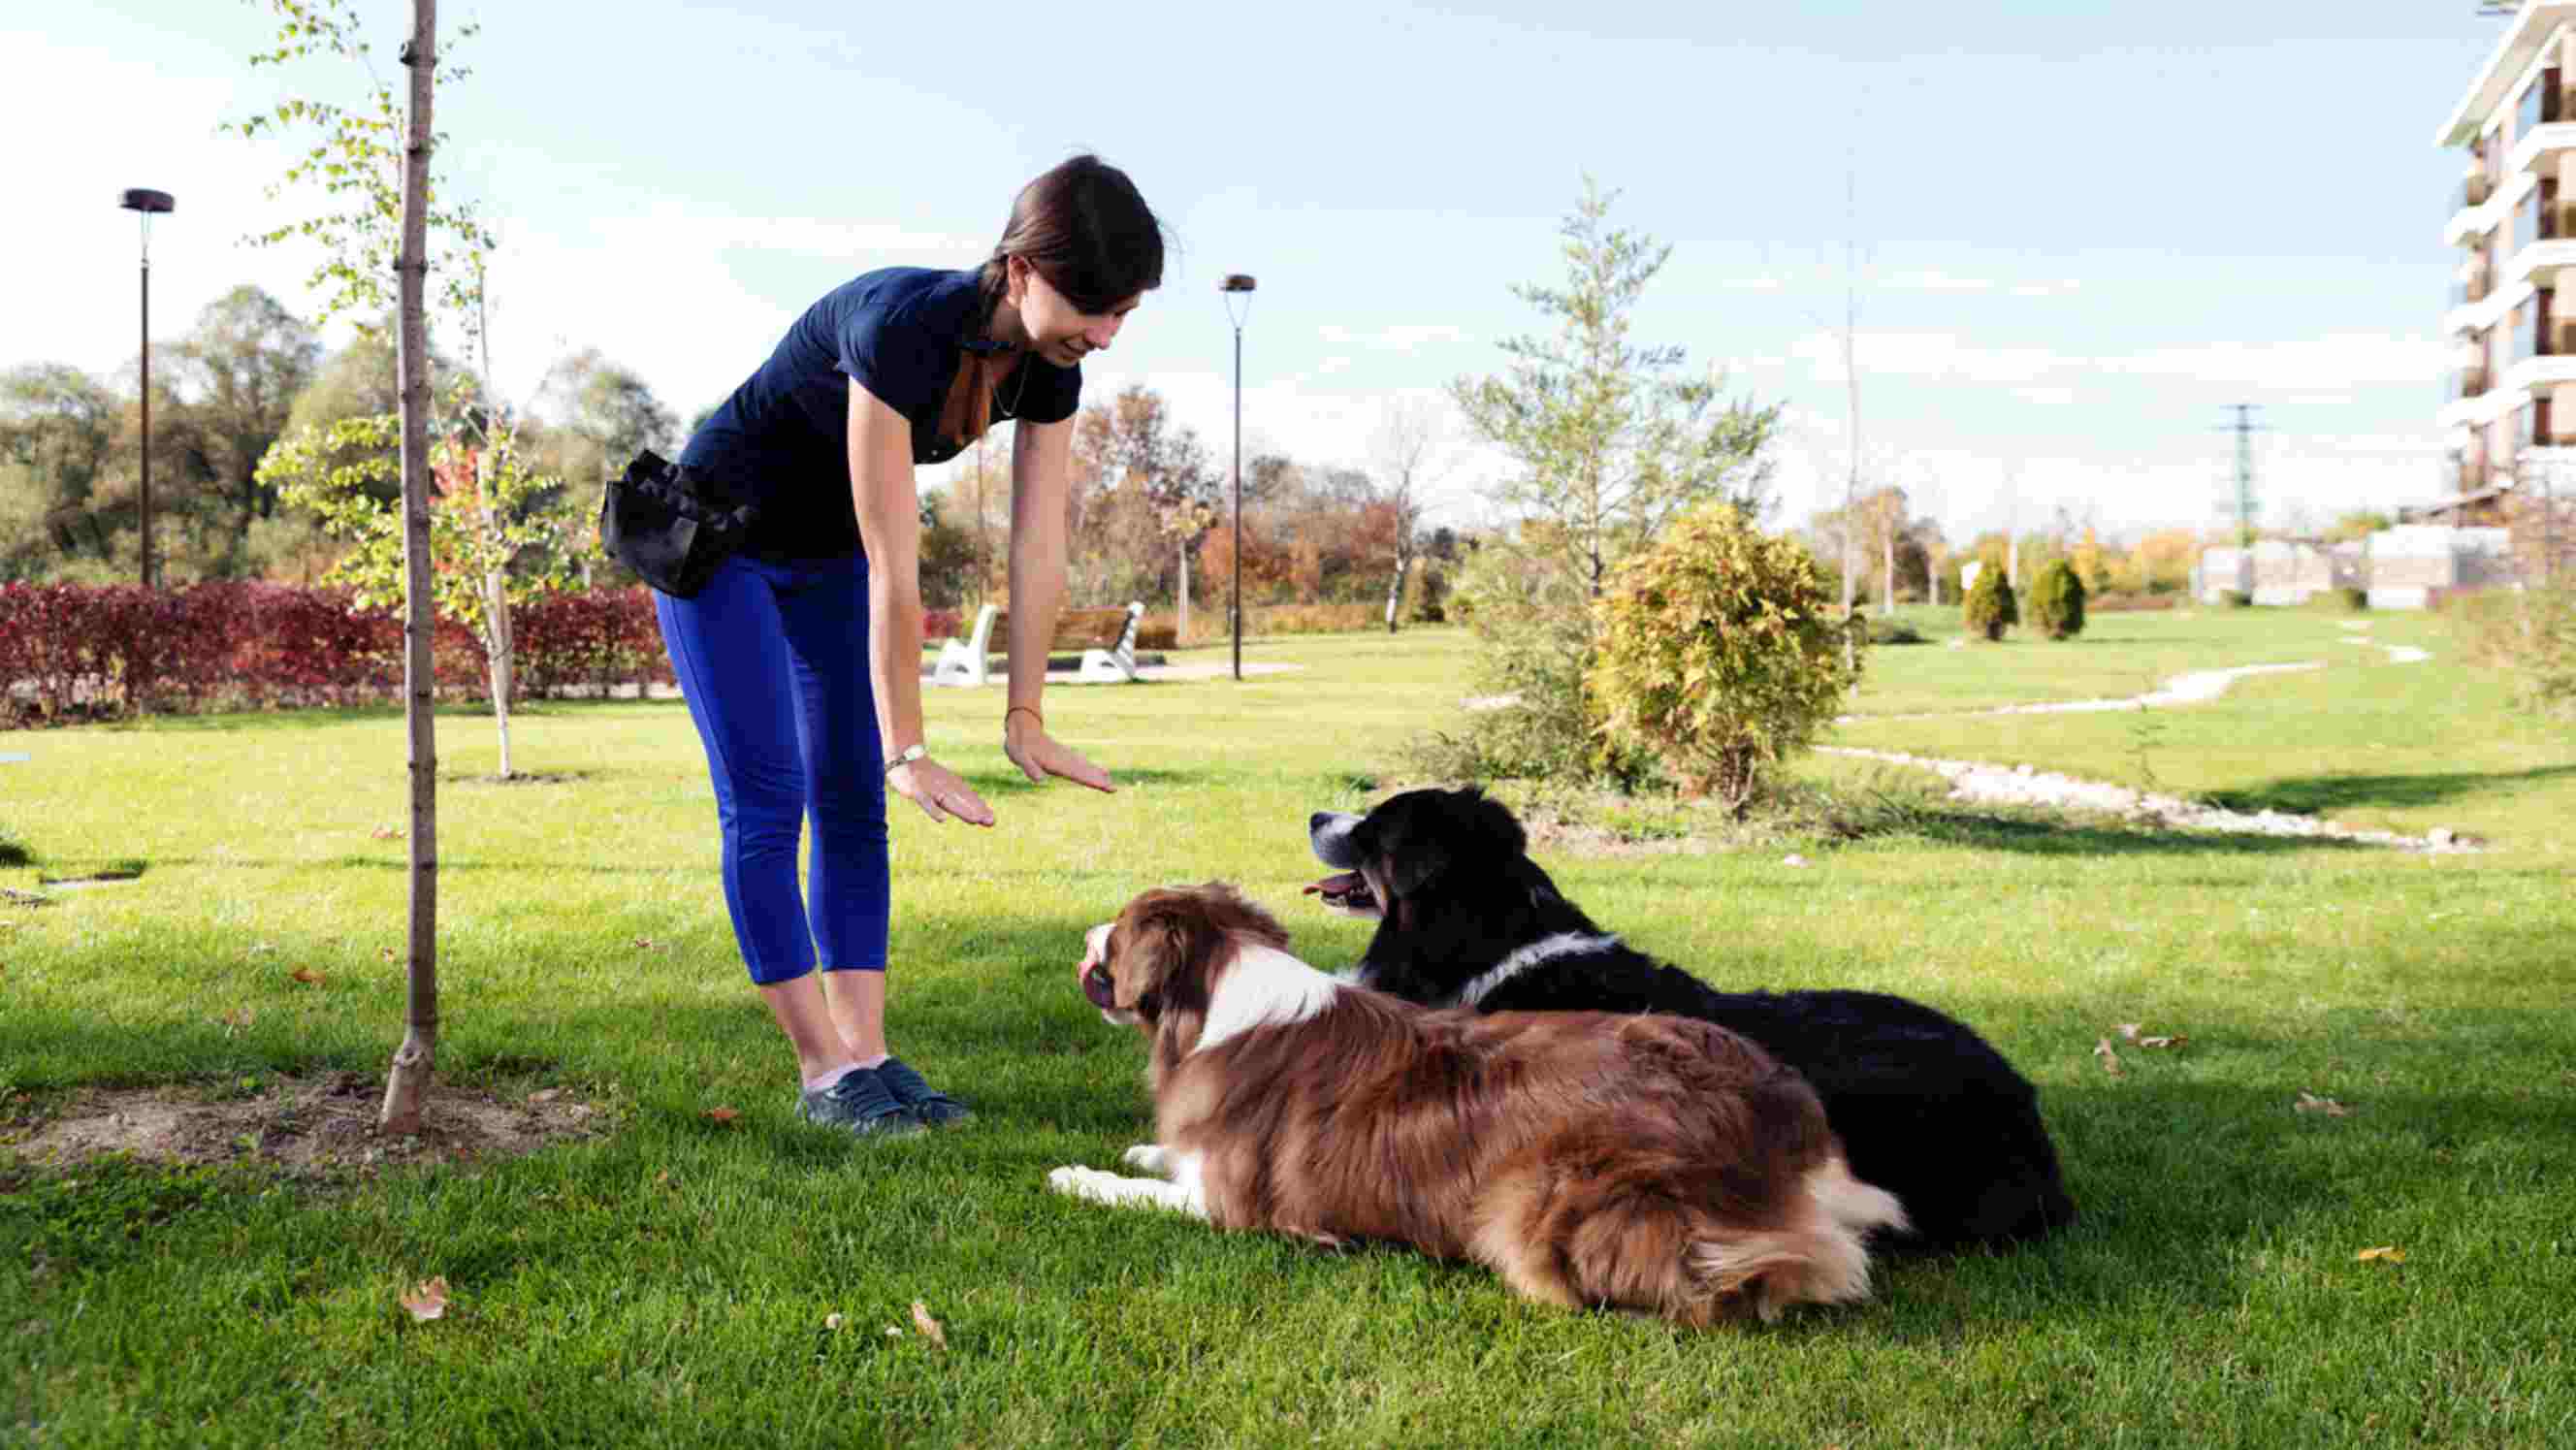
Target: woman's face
pixel 1057 330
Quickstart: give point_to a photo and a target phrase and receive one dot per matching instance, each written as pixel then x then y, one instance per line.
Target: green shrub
pixel 2340 600
pixel 2531 633
pixel 1894 631
pixel 2057 601
pixel 1534 637
pixel 1991 608
pixel 1719 653
pixel 2235 598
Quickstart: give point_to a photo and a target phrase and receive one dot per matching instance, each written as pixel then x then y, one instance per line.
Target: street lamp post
pixel 1238 283
pixel 148 203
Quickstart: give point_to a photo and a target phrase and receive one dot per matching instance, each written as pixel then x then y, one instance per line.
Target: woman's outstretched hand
pixel 1038 756
pixel 940 792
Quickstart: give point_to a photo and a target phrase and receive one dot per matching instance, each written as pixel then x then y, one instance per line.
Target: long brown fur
pixel 1654 1164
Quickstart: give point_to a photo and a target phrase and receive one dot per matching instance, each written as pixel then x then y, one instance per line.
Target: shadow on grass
pixel 2036 837
pixel 317 717
pixel 2325 794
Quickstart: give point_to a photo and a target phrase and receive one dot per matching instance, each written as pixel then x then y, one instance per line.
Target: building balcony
pixel 2538 264
pixel 2475 398
pixel 2541 143
pixel 2473 191
pixel 2493 211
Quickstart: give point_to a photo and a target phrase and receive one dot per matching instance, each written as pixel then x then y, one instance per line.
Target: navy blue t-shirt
pixel 782 440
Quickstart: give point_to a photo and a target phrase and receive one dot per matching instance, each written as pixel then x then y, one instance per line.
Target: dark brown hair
pixel 1085 229
pixel 1088 232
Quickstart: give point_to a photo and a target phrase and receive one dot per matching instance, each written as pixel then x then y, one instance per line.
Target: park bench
pixel 1106 637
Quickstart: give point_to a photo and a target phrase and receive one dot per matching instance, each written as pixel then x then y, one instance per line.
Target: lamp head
pixel 143 199
pixel 1236 282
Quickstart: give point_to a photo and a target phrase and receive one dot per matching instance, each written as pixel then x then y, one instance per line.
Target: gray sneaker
pixel 919 1098
pixel 860 1103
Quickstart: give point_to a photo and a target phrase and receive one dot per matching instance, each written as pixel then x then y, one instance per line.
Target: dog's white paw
pixel 1072 1180
pixel 1151 1158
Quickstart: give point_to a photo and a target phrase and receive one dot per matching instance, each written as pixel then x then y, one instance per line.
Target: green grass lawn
pixel 670 1280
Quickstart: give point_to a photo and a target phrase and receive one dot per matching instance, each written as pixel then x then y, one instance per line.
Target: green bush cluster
pixel 2530 633
pixel 2340 600
pixel 1719 654
pixel 1991 608
pixel 2057 601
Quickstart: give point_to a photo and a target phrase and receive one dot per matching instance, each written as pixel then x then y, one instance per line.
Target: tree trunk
pixel 1181 631
pixel 1887 562
pixel 1395 589
pixel 496 648
pixel 416 1060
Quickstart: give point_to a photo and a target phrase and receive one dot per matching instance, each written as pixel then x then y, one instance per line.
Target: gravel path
pixel 2022 785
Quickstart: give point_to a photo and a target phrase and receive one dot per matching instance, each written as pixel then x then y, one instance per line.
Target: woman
pixel 801 658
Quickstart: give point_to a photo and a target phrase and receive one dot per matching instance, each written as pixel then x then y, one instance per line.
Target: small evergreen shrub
pixel 1718 653
pixel 1991 608
pixel 2057 601
pixel 2235 598
pixel 1894 631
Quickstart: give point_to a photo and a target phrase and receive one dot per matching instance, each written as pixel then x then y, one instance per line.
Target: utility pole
pixel 2245 506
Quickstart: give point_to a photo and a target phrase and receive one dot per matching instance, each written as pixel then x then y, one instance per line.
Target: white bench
pixel 1106 637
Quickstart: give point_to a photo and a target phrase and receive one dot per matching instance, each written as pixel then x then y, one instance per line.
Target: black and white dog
pixel 1926 1109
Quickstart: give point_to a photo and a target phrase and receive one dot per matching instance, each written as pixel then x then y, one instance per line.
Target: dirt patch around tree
pixel 320 1127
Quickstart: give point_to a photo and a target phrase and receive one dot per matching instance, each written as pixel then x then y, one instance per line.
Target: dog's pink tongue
pixel 1336 886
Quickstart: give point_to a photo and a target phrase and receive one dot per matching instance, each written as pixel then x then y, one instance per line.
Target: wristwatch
pixel 907 755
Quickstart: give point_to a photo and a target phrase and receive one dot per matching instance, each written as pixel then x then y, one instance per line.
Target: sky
pixel 2072 242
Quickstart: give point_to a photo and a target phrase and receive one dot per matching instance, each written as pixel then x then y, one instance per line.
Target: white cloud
pixel 2333 362
pixel 1923 281
pixel 1926 354
pixel 1753 284
pixel 2046 397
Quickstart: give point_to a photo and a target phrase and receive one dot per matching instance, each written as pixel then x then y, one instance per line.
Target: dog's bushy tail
pixel 1819 1257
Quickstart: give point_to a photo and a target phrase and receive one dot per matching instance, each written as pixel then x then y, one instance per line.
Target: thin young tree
pixel 1406 450
pixel 381 221
pixel 1609 442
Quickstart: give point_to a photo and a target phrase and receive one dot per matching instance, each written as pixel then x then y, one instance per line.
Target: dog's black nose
pixel 1318 821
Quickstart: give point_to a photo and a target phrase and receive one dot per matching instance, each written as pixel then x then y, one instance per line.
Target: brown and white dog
pixel 1653 1164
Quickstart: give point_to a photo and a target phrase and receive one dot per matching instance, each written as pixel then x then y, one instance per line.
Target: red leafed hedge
pixel 74 652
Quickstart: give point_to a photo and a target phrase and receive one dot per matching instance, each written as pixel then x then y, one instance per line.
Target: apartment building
pixel 2510 404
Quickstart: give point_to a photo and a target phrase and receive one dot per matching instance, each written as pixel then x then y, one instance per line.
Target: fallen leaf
pixel 385 952
pixel 723 1115
pixel 2128 1031
pixel 893 1333
pixel 2391 1253
pixel 429 1301
pixel 646 943
pixel 542 1096
pixel 306 975
pixel 928 1326
pixel 2176 1040
pixel 237 1019
pixel 2310 1103
pixel 384 833
pixel 2110 1059
pixel 834 1322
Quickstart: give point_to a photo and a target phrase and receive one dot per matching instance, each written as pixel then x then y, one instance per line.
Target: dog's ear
pixel 1158 939
pixel 1494 824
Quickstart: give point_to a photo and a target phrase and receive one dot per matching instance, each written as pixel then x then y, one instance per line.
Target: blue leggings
pixel 773 661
